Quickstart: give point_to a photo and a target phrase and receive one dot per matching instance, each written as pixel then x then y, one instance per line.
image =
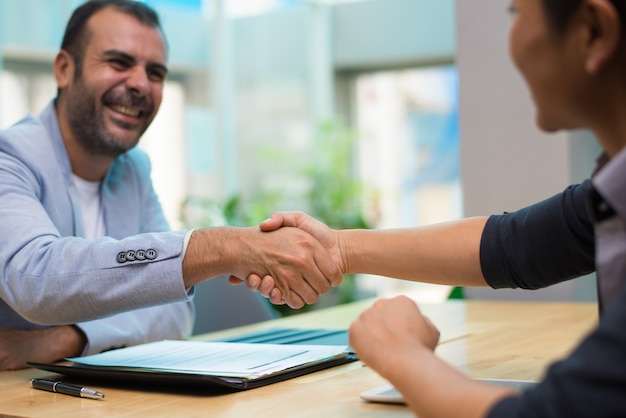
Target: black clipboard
pixel 191 379
pixel 168 378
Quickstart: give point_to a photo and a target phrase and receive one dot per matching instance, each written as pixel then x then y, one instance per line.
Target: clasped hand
pixel 283 293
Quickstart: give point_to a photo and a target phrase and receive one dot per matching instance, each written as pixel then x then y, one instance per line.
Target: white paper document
pixel 214 358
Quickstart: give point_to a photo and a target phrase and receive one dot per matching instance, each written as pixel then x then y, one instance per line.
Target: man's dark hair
pixel 76 34
pixel 559 12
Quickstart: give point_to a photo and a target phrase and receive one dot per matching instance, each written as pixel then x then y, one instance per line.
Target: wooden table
pixel 513 340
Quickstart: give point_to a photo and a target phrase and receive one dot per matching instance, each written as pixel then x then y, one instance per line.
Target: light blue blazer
pixel 50 274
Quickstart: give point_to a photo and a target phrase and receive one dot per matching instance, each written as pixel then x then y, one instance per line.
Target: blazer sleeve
pixel 173 321
pixel 169 321
pixel 52 278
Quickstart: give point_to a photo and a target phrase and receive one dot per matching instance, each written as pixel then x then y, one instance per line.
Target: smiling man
pixel 87 260
pixel 109 88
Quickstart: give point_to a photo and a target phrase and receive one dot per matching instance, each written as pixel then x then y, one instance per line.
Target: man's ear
pixel 63 68
pixel 605 34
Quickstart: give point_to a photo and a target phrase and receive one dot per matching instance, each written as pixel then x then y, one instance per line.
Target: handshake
pixel 305 260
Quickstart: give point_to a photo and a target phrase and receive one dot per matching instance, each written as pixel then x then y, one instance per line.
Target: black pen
pixel 64 388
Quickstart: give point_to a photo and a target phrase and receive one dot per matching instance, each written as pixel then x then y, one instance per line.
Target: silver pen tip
pixel 91 394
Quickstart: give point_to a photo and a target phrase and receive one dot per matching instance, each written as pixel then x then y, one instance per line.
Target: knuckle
pixel 379 304
pixel 326 286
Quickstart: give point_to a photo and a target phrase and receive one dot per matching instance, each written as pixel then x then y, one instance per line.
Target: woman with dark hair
pixel 572 55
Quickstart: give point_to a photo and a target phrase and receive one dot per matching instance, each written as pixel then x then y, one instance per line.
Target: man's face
pixel 114 97
pixel 548 64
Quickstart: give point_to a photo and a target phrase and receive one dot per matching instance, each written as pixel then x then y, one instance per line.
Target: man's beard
pixel 89 126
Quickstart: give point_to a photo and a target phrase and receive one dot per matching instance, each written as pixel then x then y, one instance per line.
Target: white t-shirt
pixel 91 206
pixel 90 200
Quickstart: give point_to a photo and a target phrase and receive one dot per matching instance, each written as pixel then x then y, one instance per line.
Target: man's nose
pixel 138 81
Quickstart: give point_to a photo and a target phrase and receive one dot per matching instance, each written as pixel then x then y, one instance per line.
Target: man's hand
pixel 43 345
pixel 299 265
pixel 266 286
pixel 326 236
pixel 389 328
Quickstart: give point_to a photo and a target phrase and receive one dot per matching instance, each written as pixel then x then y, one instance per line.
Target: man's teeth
pixel 125 110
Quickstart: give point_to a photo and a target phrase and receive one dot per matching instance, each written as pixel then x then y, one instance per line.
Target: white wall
pixel 506 162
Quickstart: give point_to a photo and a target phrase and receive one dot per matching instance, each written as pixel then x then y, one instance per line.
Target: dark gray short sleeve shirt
pixel 568 235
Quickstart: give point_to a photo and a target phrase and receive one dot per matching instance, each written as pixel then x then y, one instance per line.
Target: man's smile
pixel 125 110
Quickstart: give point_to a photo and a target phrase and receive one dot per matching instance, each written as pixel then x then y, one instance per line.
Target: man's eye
pixel 156 75
pixel 119 63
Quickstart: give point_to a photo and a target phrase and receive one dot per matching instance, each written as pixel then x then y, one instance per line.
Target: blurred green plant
pixel 333 195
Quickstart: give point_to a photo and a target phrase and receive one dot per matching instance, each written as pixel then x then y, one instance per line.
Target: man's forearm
pixel 66 341
pixel 447 253
pixel 211 253
pixel 17 347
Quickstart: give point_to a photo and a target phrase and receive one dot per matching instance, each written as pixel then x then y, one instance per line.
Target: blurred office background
pixel 364 113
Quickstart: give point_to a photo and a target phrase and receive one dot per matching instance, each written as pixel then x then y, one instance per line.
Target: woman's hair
pixel 76 34
pixel 559 12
